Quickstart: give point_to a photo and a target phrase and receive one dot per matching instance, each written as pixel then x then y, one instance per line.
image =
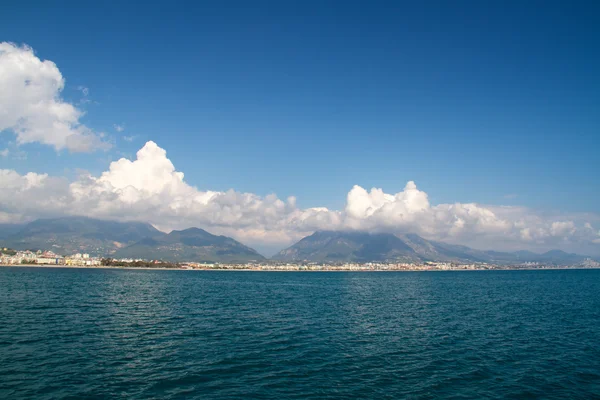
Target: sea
pixel 70 333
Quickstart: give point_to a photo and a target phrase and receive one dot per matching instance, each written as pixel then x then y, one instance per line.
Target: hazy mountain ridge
pixel 332 246
pixel 191 244
pixel 69 235
pixel 7 230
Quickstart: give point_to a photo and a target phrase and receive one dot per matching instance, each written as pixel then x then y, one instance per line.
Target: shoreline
pixel 289 270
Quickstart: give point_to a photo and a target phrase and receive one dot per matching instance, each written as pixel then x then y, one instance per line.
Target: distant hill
pixel 70 235
pixel 192 244
pixel 565 258
pixel 333 246
pixel 7 230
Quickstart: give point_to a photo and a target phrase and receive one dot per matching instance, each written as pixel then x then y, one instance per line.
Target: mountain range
pixel 191 244
pixel 336 246
pixel 69 235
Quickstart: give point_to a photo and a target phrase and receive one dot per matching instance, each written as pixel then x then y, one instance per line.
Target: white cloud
pixel 4 153
pixel 85 91
pixel 129 138
pixel 562 228
pixel 119 127
pixel 149 188
pixel 31 195
pixel 31 105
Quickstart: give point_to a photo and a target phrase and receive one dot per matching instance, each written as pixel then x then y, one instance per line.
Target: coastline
pixel 83 267
pixel 289 270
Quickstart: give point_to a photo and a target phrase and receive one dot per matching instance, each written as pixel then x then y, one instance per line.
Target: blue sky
pixel 486 102
pixel 472 102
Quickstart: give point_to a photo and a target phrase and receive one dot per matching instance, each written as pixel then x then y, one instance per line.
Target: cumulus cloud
pixel 31 195
pixel 562 228
pixel 31 105
pixel 150 188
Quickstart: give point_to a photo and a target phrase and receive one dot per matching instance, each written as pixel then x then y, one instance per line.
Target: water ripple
pixel 80 333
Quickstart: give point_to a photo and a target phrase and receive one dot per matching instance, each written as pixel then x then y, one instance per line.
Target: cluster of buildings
pixel 372 266
pixel 82 260
pixel 47 258
pixel 377 266
pixel 12 257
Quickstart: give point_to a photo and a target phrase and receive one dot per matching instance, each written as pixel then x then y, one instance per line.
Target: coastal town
pixel 14 257
pixel 48 258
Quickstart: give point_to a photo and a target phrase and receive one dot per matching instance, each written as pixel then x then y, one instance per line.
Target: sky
pixel 473 122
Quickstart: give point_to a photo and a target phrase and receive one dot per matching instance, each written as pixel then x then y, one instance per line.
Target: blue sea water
pixel 141 334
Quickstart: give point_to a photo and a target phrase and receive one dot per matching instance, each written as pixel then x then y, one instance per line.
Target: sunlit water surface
pixel 93 333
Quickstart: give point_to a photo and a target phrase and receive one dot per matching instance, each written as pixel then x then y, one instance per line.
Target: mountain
pixel 7 230
pixel 70 235
pixel 192 244
pixel 562 257
pixel 333 246
pixel 438 251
